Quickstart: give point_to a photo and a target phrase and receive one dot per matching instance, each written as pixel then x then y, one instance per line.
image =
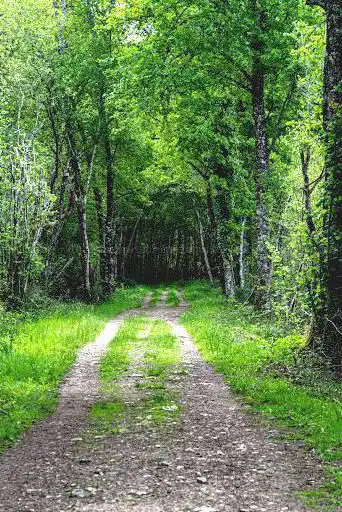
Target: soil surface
pixel 214 457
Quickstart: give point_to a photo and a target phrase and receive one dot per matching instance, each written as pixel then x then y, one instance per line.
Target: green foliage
pixel 27 40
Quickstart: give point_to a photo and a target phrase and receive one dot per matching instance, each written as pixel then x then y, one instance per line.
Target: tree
pixel 327 331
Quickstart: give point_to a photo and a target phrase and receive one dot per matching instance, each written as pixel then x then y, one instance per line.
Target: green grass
pixel 159 356
pixel 172 297
pixel 267 370
pixel 40 354
pixel 155 295
pixel 116 361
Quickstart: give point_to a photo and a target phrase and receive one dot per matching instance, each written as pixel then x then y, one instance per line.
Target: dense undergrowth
pixel 276 374
pixel 36 355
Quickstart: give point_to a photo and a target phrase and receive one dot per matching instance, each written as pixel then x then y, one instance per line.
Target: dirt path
pixel 215 458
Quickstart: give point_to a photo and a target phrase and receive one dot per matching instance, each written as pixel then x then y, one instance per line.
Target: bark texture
pixel 327 330
pixel 108 236
pixel 261 167
pixel 80 195
pixel 204 249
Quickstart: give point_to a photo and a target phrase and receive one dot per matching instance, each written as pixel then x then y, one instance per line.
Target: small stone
pixel 92 490
pixel 84 461
pixel 78 493
pixel 202 480
pixel 139 493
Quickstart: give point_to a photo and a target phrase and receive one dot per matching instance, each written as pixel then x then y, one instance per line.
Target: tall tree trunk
pixel 242 254
pixel 223 235
pixel 305 159
pixel 109 284
pixel 261 169
pixel 218 223
pixel 127 252
pixel 101 220
pixel 327 331
pixel 62 214
pixel 204 249
pixel 312 284
pixel 81 215
pixel 82 222
pixel 110 235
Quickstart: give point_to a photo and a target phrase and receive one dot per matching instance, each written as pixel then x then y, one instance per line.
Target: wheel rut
pixel 215 457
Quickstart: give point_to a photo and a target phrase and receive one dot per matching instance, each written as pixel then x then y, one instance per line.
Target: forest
pixel 179 150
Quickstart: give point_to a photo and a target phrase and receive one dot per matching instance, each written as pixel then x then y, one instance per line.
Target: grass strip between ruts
pixel 158 353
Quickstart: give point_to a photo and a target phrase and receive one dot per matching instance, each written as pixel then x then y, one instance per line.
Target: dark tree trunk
pixel 242 252
pixel 312 284
pixel 81 215
pixel 327 331
pixel 261 170
pixel 333 126
pixel 305 159
pixel 82 222
pixel 110 238
pixel 101 220
pixel 128 250
pixel 223 235
pixel 109 254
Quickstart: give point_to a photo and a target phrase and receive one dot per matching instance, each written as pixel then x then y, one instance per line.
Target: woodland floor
pixel 202 451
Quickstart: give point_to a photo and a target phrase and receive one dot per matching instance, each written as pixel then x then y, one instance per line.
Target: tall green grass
pixel 35 361
pixel 273 372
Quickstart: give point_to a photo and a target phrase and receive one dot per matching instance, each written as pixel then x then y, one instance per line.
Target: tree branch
pixel 201 172
pixel 334 325
pixel 314 183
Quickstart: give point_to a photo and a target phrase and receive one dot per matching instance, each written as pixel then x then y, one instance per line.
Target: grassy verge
pixel 155 295
pixel 172 297
pixel 146 350
pixel 274 376
pixel 34 362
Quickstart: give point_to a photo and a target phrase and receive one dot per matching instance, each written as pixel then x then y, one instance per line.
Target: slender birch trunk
pixel 204 249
